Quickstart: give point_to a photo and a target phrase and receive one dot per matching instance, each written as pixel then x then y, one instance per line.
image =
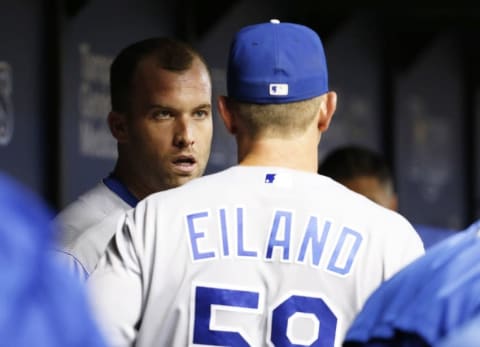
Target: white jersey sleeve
pixel 72 264
pixel 86 226
pixel 402 247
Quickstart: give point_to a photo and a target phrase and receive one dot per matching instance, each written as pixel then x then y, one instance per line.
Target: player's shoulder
pixel 353 201
pixel 378 218
pixel 89 209
pixel 396 227
pixel 88 246
pixel 85 201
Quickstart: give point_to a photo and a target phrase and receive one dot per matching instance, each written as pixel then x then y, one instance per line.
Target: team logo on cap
pixel 278 89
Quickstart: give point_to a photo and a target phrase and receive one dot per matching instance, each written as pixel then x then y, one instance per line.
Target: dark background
pixel 407 79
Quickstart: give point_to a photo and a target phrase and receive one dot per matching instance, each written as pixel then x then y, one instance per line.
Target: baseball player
pixel 161 119
pixel 265 253
pixel 41 304
pixel 429 300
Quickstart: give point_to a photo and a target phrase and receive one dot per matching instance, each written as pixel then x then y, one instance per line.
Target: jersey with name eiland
pixel 251 256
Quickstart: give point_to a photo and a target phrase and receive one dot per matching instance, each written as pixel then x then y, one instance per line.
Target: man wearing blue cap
pixel 266 252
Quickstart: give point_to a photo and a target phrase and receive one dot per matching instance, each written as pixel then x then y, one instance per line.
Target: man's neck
pixel 293 154
pixel 131 182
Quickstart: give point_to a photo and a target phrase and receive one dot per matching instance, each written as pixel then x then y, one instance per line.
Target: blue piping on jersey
pixel 119 188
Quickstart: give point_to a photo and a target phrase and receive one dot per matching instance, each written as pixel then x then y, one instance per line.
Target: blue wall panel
pixel 429 139
pixel 355 73
pixel 22 119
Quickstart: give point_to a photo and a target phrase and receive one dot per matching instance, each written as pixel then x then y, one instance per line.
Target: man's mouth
pixel 184 160
pixel 185 164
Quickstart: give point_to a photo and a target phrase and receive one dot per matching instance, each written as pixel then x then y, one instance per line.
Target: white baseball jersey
pixel 251 256
pixel 88 224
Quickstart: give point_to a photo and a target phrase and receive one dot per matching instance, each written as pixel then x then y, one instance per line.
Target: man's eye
pixel 201 114
pixel 160 114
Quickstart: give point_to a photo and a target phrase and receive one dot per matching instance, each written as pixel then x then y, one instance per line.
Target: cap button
pixel 274 21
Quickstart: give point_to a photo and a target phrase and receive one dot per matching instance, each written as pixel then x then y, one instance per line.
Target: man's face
pixel 170 124
pixel 373 189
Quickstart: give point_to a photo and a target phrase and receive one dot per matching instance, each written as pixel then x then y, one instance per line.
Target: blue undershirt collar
pixel 120 189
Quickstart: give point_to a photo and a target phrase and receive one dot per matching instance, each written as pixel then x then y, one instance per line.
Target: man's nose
pixel 183 133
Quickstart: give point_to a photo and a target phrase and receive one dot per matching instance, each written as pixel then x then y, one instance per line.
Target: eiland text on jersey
pixel 315 244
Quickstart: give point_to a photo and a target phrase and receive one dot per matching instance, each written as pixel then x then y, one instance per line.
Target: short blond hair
pixel 276 120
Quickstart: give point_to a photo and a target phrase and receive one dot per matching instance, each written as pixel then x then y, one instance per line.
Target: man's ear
pixel 328 109
pixel 226 114
pixel 117 123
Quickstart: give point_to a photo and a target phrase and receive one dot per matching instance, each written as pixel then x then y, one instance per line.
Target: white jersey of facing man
pixel 268 252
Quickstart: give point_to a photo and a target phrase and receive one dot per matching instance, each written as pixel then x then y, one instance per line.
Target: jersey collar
pixel 120 189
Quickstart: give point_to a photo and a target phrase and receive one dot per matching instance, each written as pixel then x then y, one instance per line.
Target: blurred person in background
pixel 363 171
pixel 42 304
pixel 367 172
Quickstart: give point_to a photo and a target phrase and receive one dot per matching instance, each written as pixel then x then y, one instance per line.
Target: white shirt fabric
pixel 251 256
pixel 86 226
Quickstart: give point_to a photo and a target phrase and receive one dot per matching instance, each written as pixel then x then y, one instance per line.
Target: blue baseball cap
pixel 275 63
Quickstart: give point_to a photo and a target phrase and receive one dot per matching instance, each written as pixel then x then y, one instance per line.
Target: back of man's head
pixel 276 72
pixel 276 63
